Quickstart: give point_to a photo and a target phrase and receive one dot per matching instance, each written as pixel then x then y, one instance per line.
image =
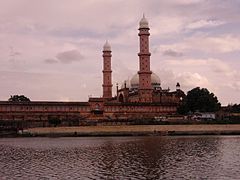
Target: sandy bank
pixel 135 130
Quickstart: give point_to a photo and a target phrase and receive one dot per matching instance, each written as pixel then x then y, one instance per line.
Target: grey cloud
pixel 50 61
pixel 69 56
pixel 66 57
pixel 172 53
pixel 13 54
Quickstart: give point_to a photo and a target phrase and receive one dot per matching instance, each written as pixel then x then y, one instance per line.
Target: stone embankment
pixel 136 130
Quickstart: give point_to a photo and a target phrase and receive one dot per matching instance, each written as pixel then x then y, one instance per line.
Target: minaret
pixel 145 87
pixel 107 71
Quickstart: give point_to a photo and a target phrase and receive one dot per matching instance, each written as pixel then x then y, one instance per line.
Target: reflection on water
pixel 192 157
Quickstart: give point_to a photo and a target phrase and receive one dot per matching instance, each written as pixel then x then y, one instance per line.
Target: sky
pixel 52 50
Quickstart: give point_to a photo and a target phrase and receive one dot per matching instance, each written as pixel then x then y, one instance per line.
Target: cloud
pixel 66 57
pixel 217 75
pixel 48 86
pixel 219 66
pixel 190 80
pixel 13 54
pixel 215 65
pixel 187 62
pixel 223 44
pixel 187 2
pixel 203 33
pixel 187 80
pixel 204 43
pixel 50 61
pixel 172 53
pixel 70 56
pixel 203 24
pixel 166 24
pixel 235 85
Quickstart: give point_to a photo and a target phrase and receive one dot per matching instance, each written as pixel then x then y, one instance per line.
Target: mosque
pixel 145 85
pixel 140 97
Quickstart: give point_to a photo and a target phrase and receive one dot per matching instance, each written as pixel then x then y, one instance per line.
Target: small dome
pixel 106 47
pixel 143 23
pixel 155 81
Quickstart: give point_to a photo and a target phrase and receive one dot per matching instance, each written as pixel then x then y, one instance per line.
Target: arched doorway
pixel 121 98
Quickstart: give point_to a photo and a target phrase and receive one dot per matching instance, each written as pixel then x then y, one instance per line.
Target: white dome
pixel 155 81
pixel 106 47
pixel 143 23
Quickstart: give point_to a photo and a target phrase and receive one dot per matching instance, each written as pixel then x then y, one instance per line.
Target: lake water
pixel 175 157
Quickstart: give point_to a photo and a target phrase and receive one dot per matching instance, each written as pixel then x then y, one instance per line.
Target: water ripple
pixel 196 157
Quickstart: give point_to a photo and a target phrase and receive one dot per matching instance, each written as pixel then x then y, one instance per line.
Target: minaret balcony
pixel 144 54
pixel 107 71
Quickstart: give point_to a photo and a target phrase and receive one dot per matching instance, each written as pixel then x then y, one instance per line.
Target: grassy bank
pixel 129 130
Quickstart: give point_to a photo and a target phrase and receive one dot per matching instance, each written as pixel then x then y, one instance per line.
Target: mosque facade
pixel 145 85
pixel 140 97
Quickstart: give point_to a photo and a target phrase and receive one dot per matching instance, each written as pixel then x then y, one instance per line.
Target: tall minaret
pixel 107 71
pixel 145 87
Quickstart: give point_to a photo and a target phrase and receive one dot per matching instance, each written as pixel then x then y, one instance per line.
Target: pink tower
pixel 107 71
pixel 145 87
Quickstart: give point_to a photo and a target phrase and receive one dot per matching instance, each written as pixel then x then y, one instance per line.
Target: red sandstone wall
pixel 38 114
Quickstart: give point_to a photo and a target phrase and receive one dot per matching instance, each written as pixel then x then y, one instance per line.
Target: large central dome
pixel 155 81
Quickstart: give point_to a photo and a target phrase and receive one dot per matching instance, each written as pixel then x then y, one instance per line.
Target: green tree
pixel 199 100
pixel 18 98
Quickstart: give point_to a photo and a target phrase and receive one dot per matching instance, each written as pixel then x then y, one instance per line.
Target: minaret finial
pixel 143 23
pixel 107 46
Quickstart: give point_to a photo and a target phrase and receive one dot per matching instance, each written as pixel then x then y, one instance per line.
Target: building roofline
pixel 43 103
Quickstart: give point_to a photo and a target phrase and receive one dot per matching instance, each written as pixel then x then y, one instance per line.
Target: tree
pixel 235 108
pixel 199 100
pixel 18 98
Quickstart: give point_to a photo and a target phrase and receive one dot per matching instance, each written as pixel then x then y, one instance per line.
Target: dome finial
pixel 106 46
pixel 178 86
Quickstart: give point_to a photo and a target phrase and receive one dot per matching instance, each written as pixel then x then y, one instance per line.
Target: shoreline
pixel 132 130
